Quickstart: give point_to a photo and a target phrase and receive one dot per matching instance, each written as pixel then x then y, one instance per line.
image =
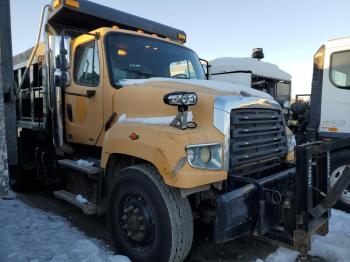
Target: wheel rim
pixel 345 196
pixel 137 221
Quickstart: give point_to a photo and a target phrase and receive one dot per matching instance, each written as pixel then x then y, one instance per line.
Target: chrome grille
pixel 257 140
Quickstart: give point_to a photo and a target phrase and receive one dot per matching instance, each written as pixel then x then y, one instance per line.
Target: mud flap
pixel 236 213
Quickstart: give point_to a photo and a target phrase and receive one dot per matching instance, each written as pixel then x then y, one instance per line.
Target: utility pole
pixel 8 130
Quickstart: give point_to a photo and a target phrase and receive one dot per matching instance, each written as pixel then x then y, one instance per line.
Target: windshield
pixel 137 57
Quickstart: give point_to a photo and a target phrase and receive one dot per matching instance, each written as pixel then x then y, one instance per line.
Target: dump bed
pixel 31 103
pixel 86 15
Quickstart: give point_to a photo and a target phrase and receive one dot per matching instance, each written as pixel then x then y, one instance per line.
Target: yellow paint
pixel 332 129
pixel 72 3
pixel 56 4
pixel 80 109
pixel 290 157
pixel 88 120
pixel 163 147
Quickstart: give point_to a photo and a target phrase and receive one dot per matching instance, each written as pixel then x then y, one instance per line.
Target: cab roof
pixel 88 16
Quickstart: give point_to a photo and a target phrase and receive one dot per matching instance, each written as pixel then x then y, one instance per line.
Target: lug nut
pixel 124 217
pixel 136 210
pixel 140 218
pixel 142 228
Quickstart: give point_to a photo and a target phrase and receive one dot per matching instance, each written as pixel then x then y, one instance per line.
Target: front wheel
pixel 339 160
pixel 148 220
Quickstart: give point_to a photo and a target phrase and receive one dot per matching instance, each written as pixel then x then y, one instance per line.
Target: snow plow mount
pixel 287 207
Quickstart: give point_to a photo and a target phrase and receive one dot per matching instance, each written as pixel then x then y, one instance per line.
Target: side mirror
pixel 62 78
pixel 60 47
pixel 60 53
pixel 206 67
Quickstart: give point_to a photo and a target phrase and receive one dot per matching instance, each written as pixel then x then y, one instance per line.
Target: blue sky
pixel 289 31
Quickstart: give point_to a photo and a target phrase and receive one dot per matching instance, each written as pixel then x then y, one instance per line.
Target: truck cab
pixel 329 108
pixel 116 111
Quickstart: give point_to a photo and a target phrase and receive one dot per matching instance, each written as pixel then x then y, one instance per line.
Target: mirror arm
pixel 207 66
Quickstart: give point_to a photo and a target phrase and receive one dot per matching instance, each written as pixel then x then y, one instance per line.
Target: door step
pixel 81 166
pixel 87 207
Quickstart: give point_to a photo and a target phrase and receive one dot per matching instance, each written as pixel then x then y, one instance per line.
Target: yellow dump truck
pixel 116 112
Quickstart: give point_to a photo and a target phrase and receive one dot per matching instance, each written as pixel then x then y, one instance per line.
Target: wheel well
pixel 117 162
pixel 341 149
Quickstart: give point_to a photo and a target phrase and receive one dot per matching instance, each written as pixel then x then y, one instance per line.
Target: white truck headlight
pixel 291 142
pixel 206 156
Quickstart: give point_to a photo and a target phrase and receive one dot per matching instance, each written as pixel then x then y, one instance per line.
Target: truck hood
pixel 141 100
pixel 201 86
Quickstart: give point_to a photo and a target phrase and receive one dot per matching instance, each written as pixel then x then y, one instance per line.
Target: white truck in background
pixel 326 117
pixel 329 118
pixel 253 72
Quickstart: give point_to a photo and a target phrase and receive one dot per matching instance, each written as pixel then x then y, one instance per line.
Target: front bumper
pixel 284 208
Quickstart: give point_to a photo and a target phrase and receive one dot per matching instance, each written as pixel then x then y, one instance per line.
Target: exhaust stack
pixel 258 53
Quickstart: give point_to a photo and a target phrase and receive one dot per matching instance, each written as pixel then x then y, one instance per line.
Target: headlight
pixel 181 98
pixel 206 156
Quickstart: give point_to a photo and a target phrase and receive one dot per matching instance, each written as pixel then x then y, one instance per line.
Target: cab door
pixel 335 107
pixel 83 98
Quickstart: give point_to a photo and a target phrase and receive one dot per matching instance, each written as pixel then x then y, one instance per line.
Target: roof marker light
pixel 72 3
pixel 122 52
pixel 56 4
pixel 181 37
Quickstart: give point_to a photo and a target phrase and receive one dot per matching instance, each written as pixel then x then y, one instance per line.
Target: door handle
pixel 70 112
pixel 89 93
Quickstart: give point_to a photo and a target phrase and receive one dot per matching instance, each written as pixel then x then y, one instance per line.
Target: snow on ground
pixel 335 247
pixel 31 235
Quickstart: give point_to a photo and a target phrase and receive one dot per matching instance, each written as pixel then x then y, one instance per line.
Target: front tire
pixel 338 162
pixel 149 221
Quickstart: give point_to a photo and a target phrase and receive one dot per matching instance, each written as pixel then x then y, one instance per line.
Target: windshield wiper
pixel 140 72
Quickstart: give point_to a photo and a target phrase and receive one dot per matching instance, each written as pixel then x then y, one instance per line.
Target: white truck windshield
pixel 138 57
